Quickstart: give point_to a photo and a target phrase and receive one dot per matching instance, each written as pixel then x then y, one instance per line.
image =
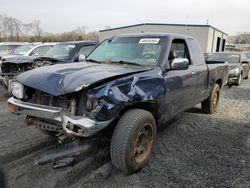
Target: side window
pixel 178 49
pixel 196 52
pixel 86 50
pixel 40 51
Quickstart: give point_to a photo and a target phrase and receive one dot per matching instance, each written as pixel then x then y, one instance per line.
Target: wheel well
pixel 219 82
pixel 151 107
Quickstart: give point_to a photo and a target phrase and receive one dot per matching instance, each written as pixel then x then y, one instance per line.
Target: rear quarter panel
pixel 217 73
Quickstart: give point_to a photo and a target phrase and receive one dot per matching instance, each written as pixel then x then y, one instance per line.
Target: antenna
pixel 207 21
pixel 186 23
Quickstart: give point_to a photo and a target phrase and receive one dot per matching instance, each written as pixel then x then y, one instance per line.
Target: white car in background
pixel 8 47
pixel 30 50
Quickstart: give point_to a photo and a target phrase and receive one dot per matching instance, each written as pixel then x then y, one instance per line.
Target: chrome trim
pixel 85 126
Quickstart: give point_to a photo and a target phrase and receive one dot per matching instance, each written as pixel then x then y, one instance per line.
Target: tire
pixel 209 105
pixel 50 133
pixel 247 75
pixel 239 80
pixel 133 140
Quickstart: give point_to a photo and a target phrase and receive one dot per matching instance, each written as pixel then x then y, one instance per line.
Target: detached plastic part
pixel 64 162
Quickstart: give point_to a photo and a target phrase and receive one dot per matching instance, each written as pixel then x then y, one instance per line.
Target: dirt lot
pixel 194 150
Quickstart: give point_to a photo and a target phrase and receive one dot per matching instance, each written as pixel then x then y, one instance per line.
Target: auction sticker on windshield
pixel 149 41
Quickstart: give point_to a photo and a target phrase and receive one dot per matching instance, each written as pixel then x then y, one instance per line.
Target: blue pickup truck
pixel 129 83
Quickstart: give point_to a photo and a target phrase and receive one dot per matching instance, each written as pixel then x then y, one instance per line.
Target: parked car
pixel 74 51
pixel 30 50
pixel 129 83
pixel 8 47
pixel 238 65
pixel 61 53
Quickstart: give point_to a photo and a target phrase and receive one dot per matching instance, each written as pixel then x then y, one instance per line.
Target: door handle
pixel 193 73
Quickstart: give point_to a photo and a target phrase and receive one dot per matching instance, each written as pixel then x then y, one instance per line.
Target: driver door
pixel 180 84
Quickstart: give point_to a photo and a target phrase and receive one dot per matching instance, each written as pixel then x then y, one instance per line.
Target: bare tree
pixel 13 29
pixel 37 28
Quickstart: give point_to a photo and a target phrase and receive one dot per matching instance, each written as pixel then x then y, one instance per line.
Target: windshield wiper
pixel 92 60
pixel 127 62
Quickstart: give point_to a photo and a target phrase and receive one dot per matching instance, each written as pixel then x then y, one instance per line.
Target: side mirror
pixel 81 57
pixel 180 64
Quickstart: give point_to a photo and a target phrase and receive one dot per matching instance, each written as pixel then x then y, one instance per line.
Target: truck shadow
pixel 195 110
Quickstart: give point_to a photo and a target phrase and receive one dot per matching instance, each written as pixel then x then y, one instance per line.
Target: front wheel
pixel 210 104
pixel 133 140
pixel 239 80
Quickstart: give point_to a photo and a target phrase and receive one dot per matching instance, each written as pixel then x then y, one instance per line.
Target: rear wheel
pixel 210 104
pixel 247 75
pixel 133 140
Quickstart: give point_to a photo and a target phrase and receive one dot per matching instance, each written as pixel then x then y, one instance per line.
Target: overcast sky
pixel 230 16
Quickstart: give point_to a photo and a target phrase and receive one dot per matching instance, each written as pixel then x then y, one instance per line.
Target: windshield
pixel 61 51
pixel 230 58
pixel 248 54
pixel 142 51
pixel 22 49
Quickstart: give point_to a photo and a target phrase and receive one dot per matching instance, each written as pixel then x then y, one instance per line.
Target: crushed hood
pixel 67 78
pixel 29 59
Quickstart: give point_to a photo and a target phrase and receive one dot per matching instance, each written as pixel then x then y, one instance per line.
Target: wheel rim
pixel 144 143
pixel 215 98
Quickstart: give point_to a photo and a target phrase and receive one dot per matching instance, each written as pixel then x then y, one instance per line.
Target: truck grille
pixel 49 100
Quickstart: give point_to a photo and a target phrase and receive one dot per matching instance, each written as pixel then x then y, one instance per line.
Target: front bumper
pixel 233 79
pixel 74 125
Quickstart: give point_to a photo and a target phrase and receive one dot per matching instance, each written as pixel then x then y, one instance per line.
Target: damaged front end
pixel 12 67
pixel 91 107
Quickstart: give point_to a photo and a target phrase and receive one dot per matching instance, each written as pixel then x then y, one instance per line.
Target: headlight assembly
pixel 92 104
pixel 39 64
pixel 235 71
pixel 16 89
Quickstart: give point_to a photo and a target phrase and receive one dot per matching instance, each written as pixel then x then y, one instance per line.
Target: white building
pixel 210 38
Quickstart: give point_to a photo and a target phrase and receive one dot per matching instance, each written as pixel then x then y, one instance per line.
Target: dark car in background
pixel 66 52
pixel 75 51
pixel 238 65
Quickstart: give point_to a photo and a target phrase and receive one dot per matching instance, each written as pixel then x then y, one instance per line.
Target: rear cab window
pixel 197 56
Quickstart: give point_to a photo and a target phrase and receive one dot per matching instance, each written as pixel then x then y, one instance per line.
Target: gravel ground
pixel 193 150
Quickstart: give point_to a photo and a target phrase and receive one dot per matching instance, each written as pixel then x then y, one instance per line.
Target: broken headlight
pixel 39 64
pixel 16 89
pixel 234 71
pixel 92 103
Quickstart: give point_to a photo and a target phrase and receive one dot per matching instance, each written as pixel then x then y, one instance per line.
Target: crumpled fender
pixel 137 88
